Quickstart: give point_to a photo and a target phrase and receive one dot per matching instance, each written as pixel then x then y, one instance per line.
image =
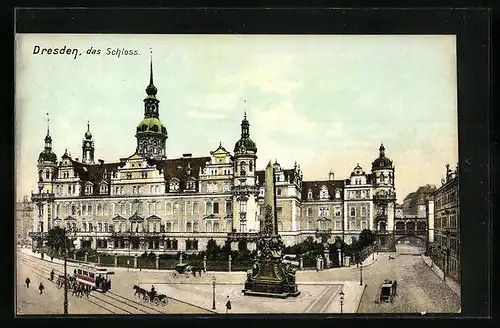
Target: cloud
pixel 213 106
pixel 282 118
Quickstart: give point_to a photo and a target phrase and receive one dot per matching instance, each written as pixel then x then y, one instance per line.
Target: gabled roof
pixel 136 217
pixel 153 217
pixel 118 217
pixel 181 168
pixel 315 187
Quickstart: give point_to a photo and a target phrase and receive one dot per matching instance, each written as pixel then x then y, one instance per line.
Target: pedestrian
pixel 228 304
pixel 52 275
pixel 41 288
pixel 52 258
pixel 28 282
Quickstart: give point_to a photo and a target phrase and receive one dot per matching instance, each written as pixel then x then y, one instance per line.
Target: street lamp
pixel 213 293
pixel 361 274
pixel 65 304
pixel 341 301
pixel 373 251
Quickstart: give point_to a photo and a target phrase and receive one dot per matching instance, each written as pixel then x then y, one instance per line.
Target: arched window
pixel 99 225
pixel 47 174
pixel 353 211
pixel 243 167
pixel 188 227
pixel 309 194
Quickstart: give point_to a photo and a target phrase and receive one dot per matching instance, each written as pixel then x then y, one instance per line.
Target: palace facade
pixel 150 202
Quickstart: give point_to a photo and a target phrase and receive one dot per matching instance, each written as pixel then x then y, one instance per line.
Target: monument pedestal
pixel 272 280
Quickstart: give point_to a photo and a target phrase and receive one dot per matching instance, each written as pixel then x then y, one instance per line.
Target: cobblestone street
pixel 419 290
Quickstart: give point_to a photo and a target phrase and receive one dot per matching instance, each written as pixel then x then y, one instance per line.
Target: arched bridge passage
pixel 410 244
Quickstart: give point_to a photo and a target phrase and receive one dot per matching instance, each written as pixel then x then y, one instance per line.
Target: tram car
pixel 96 277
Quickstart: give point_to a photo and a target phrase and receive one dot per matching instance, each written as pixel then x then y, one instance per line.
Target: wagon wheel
pixel 174 274
pixel 164 301
pixel 146 299
pixel 156 301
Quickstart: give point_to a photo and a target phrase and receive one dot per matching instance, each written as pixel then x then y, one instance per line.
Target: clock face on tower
pixel 151 107
pixel 87 144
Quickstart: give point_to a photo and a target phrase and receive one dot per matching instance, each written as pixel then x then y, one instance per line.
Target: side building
pixel 445 251
pixel 24 220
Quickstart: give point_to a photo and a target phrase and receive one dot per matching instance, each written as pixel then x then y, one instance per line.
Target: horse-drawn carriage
pixel 150 296
pixel 388 290
pixel 186 269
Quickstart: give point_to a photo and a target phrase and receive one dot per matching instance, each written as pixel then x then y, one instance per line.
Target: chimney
pixel 331 175
pixel 100 161
pixel 447 172
pixel 187 155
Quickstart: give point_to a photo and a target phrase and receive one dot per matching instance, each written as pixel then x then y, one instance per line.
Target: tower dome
pixel 245 143
pixel 382 162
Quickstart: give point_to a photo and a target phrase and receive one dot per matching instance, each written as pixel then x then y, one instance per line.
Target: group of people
pixel 41 287
pixel 80 289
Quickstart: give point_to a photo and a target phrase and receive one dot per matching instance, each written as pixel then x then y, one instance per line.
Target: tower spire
pixel 151 66
pixel 151 89
pixel 48 127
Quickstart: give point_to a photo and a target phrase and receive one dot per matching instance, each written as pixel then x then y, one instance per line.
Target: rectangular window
pixel 188 208
pixel 208 208
pixel 279 213
pixel 309 211
pixel 229 207
pixel 168 208
pixel 195 207
pixel 216 207
pixel 151 208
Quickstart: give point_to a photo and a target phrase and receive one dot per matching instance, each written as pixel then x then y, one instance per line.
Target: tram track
pixel 109 298
pixel 43 275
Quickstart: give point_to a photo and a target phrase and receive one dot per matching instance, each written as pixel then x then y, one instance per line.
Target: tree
pixel 212 250
pixel 56 239
pixel 366 238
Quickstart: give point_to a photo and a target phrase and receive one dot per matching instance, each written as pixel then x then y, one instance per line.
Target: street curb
pixel 361 298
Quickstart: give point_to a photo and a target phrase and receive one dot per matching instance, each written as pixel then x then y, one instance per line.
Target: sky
pixel 327 102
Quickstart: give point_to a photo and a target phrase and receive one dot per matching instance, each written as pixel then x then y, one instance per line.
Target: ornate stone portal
pixel 269 276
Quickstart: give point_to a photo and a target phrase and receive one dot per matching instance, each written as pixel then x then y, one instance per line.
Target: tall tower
pixel 245 189
pixel 44 198
pixel 151 134
pixel 88 147
pixel 384 194
pixel 47 162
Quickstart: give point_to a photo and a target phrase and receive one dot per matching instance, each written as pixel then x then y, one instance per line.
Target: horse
pixel 195 270
pixel 141 291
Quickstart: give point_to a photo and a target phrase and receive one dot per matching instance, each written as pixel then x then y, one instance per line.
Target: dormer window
pixel 88 189
pixel 323 193
pixel 103 188
pixel 190 185
pixel 309 194
pixel 174 185
pixel 337 193
pixel 144 174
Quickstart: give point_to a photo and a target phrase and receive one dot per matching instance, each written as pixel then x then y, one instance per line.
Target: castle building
pixel 151 202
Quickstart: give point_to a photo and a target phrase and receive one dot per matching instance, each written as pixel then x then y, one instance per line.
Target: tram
pixel 95 277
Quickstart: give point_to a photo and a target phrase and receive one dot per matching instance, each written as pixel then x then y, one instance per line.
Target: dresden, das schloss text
pixel 37 50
